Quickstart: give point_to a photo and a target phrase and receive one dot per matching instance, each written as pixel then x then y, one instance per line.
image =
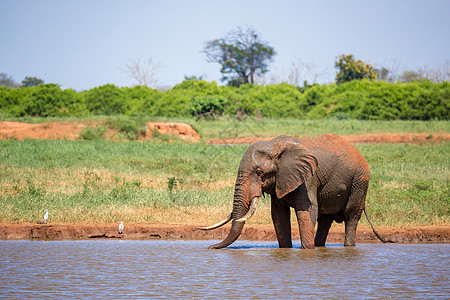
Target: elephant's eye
pixel 259 172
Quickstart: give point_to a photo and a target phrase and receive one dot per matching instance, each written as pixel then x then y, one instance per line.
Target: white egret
pixel 46 217
pixel 121 227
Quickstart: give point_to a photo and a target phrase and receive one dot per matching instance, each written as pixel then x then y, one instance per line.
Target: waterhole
pixel 116 269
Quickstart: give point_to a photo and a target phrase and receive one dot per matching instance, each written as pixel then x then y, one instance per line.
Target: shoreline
pixel 29 231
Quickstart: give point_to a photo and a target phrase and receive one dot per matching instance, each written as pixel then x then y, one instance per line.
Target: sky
pixel 81 44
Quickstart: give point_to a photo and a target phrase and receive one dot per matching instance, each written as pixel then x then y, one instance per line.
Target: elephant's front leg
pixel 306 229
pixel 281 217
pixel 304 209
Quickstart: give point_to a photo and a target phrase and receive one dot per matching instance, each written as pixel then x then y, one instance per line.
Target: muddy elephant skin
pixel 324 179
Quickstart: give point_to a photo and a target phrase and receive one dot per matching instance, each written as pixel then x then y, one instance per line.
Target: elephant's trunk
pixel 235 232
pixel 237 224
pixel 242 210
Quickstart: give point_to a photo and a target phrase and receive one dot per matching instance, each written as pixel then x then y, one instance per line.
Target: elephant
pixel 324 179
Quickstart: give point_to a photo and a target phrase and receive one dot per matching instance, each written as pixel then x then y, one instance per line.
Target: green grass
pixel 101 181
pixel 409 183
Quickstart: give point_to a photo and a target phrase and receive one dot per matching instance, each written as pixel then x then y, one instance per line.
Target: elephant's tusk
pixel 251 210
pixel 221 223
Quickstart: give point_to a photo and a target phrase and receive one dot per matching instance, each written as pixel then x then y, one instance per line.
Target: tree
pixel 7 81
pixel 393 68
pixel 302 72
pixel 31 81
pixel 143 73
pixel 410 75
pixel 436 73
pixel 350 69
pixel 242 55
pixel 382 74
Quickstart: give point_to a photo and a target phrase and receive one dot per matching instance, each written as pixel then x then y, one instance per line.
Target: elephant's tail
pixel 374 231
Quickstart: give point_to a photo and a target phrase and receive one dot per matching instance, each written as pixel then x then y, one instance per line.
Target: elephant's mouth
pixel 248 215
pixel 268 183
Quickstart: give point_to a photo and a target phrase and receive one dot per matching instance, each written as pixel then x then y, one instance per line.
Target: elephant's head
pixel 279 166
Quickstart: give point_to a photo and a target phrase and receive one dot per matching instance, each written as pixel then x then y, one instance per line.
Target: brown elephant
pixel 324 179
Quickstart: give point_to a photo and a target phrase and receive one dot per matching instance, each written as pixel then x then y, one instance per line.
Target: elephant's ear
pixel 295 165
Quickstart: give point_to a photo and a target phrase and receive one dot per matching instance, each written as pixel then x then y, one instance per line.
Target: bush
pixel 11 101
pixel 106 100
pixel 132 129
pixel 93 134
pixel 357 99
pixel 141 99
pixel 381 100
pixel 207 107
pixel 48 100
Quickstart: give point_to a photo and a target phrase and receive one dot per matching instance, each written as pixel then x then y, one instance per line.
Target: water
pixel 116 269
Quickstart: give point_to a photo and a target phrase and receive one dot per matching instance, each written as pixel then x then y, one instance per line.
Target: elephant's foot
pixel 350 233
pixel 306 230
pixel 349 243
pixel 323 227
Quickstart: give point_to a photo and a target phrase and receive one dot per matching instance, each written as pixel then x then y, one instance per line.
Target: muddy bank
pixel 417 234
pixel 67 130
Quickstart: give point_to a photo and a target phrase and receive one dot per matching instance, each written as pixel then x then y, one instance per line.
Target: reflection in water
pixel 186 269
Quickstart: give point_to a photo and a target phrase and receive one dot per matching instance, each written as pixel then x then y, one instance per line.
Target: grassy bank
pixel 100 181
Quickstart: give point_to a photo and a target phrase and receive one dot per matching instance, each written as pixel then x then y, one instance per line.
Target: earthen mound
pixel 66 130
pixel 183 131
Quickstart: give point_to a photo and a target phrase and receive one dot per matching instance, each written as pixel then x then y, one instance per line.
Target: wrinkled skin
pixel 324 179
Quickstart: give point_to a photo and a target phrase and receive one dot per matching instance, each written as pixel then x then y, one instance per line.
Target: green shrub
pixel 141 99
pixel 106 100
pixel 358 99
pixel 93 134
pixel 132 129
pixel 175 102
pixel 11 101
pixel 207 107
pixel 379 100
pixel 48 100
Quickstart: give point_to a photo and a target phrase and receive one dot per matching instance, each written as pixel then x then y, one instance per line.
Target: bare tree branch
pixel 143 72
pixel 437 73
pixel 394 68
pixel 301 71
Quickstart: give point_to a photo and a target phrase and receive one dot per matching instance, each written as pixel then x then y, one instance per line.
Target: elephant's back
pixel 344 153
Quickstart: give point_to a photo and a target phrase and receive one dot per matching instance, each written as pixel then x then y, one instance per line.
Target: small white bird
pixel 46 217
pixel 121 227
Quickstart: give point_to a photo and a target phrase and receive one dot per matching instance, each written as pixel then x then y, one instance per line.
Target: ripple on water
pixel 186 269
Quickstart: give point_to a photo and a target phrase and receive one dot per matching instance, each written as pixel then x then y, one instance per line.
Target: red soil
pixel 184 131
pixel 71 131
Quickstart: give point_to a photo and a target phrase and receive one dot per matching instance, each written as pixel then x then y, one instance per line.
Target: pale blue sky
pixel 83 44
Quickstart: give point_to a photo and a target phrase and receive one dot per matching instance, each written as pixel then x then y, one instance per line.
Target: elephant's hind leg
pixel 354 209
pixel 323 227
